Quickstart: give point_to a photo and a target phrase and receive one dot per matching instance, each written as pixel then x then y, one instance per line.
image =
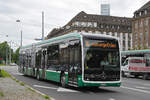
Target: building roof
pixel 84 17
pixel 145 6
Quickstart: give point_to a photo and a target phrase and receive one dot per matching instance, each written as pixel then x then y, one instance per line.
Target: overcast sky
pixel 57 14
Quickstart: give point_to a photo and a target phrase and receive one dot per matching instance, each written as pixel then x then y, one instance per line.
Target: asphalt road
pixel 131 89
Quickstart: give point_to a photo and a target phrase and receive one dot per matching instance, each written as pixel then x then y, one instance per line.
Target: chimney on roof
pixel 105 7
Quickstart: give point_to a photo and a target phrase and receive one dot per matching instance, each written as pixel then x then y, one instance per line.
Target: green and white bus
pixel 74 59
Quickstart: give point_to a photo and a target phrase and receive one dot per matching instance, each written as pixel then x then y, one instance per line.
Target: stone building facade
pixel 120 27
pixel 141 27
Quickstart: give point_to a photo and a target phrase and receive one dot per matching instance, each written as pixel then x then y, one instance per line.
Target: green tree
pixel 4 47
pixel 5 50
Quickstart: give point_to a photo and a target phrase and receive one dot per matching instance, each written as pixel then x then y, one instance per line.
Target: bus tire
pixel 63 81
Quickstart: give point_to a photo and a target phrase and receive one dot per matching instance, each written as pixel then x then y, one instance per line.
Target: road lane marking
pixel 60 89
pixel 111 99
pixel 139 87
pixel 136 83
pixel 45 87
pixel 134 89
pixel 18 74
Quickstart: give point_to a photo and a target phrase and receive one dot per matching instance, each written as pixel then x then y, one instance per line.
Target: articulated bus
pixel 74 59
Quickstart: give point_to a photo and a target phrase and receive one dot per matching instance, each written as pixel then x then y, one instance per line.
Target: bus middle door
pixel 72 66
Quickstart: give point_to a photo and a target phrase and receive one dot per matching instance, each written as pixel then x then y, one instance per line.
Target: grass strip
pixel 4 74
pixel 2 64
pixel 1 94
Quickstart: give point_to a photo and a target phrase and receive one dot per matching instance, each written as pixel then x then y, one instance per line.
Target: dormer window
pixel 95 24
pixel 137 14
pixel 107 26
pixel 145 12
pixel 89 24
pixel 140 13
pixel 76 23
pixel 83 24
pixel 113 27
pixel 129 28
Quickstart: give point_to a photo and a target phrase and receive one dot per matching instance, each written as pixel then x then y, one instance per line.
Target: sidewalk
pixel 12 89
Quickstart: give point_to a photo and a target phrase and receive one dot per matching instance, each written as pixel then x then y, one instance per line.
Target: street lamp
pixel 18 21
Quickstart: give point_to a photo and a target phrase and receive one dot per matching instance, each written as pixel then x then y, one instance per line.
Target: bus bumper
pixel 84 84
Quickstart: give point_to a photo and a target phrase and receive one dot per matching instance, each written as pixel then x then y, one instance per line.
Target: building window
pixel 141 39
pixel 147 21
pixel 102 26
pixel 129 28
pixel 124 43
pixel 118 27
pixel 137 14
pixel 136 25
pixel 118 34
pixel 79 24
pixel 83 24
pixel 113 27
pixel 141 23
pixel 145 12
pixel 89 24
pixel 113 34
pixel 107 26
pixel 146 38
pixel 76 24
pixel 95 24
pixel 129 36
pixel 124 37
pixel 140 13
pixel 129 44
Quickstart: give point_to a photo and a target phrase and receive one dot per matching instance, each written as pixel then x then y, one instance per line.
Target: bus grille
pixel 104 76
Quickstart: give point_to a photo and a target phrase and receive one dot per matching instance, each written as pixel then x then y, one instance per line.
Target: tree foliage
pixel 5 50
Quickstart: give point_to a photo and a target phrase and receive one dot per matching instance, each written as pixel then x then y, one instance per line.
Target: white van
pixel 135 66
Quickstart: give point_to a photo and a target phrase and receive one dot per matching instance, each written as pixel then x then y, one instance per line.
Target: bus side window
pixel 38 59
pixel 52 56
pixel 75 55
pixel 64 56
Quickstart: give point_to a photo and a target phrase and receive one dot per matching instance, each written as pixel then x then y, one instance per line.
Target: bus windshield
pixel 101 56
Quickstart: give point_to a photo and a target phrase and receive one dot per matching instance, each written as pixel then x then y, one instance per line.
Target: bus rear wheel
pixel 63 80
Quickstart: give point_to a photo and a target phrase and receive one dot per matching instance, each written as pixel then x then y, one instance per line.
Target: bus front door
pixel 72 75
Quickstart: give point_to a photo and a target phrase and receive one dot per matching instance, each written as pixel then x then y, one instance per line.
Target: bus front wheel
pixel 63 80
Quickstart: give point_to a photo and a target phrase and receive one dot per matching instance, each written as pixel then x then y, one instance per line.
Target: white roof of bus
pixel 99 35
